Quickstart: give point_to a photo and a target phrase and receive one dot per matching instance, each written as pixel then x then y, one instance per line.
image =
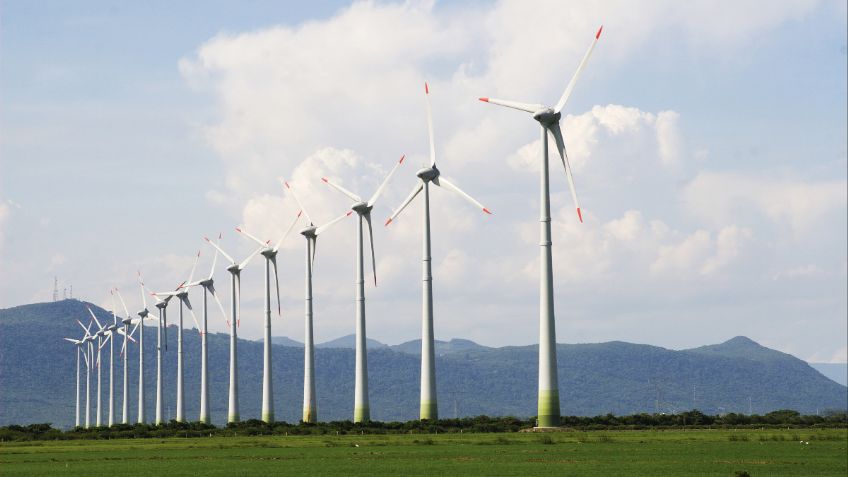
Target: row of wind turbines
pixel 89 347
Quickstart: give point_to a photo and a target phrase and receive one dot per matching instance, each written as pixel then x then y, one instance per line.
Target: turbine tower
pixel 234 322
pixel 182 295
pixel 426 176
pixel 99 335
pixel 127 337
pixel 144 314
pixel 208 285
pixel 310 233
pixel 361 407
pixel 87 339
pixel 78 344
pixel 549 119
pixel 270 254
pixel 105 333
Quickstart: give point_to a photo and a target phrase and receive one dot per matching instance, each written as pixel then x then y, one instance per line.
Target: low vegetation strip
pixel 774 452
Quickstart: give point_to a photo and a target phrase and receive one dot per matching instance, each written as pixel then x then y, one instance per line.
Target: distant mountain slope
pixel 37 375
pixel 349 342
pixel 838 372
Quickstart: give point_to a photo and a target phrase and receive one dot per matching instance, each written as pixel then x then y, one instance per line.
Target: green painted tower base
pixel 361 414
pixel 549 409
pixel 429 410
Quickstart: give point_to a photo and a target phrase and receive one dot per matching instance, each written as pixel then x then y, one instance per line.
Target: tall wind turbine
pixel 78 344
pixel 310 233
pixel 182 295
pixel 144 314
pixel 361 407
pixel 162 299
pixel 549 119
pixel 127 321
pixel 235 321
pixel 87 339
pixel 105 334
pixel 270 254
pixel 426 176
pixel 208 285
pixel 99 335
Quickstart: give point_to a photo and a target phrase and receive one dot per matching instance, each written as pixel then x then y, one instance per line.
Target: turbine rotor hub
pixel 428 174
pixel 309 232
pixel 361 208
pixel 547 117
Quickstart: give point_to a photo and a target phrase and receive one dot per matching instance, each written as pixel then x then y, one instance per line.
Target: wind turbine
pixel 142 315
pixel 87 339
pixel 127 321
pixel 99 335
pixel 361 408
pixel 310 233
pixel 549 119
pixel 105 333
pixel 270 254
pixel 426 176
pixel 235 321
pixel 182 295
pixel 208 285
pixel 78 344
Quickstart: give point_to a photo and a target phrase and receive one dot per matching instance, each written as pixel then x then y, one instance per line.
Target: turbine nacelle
pixel 428 174
pixel 309 232
pixel 267 253
pixel 547 117
pixel 361 207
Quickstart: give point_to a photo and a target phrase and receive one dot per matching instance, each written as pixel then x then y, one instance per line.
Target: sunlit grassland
pixel 690 452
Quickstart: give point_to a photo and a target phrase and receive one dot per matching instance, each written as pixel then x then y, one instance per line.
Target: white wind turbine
pixel 235 321
pixel 99 335
pixel 162 301
pixel 87 340
pixel 549 119
pixel 426 176
pixel 270 254
pixel 208 285
pixel 78 344
pixel 106 334
pixel 310 233
pixel 127 321
pixel 182 295
pixel 144 314
pixel 361 407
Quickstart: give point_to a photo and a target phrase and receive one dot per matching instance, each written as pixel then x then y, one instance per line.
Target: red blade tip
pixel 580 215
pixel 485 100
pixel 238 229
pixel 348 214
pixel 598 35
pixel 299 212
pixel 388 222
pixel 324 179
pixel 487 211
pixel 287 184
pixel 401 159
pixel 426 88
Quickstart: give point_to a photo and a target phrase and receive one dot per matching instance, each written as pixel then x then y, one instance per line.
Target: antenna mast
pixel 55 288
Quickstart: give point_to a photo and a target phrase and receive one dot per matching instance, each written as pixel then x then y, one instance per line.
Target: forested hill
pixel 37 376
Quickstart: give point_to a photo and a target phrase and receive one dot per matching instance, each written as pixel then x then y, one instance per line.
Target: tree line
pixel 479 424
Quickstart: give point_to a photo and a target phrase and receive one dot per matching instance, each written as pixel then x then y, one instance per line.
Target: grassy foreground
pixel 690 452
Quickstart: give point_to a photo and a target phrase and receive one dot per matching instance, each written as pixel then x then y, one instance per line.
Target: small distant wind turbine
pixel 235 319
pixel 549 119
pixel 310 233
pixel 87 339
pixel 426 176
pixel 127 321
pixel 270 254
pixel 78 344
pixel 162 303
pixel 208 285
pixel 144 314
pixel 105 334
pixel 361 407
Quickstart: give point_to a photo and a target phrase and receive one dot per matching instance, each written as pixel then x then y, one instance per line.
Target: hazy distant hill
pixel 37 375
pixel 835 371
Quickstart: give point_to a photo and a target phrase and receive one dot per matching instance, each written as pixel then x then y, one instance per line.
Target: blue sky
pixel 708 140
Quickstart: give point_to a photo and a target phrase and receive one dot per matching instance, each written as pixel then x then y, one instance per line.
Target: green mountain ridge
pixel 37 375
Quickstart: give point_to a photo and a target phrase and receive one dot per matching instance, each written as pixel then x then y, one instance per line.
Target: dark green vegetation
pixel 692 452
pixel 37 376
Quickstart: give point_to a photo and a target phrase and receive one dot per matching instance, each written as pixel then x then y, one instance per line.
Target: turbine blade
pixel 238 299
pixel 194 317
pixel 379 190
pixel 126 311
pixel 191 275
pixel 557 134
pixel 329 224
pixel 220 306
pixel 341 189
pixel 415 191
pixel 250 257
pixel 530 108
pixel 299 204
pixel 251 237
pixel 288 231
pixel 314 249
pixel 277 283
pixel 568 89
pixel 218 248
pixel 99 326
pixel 430 125
pixel 83 327
pixel 443 181
pixel 371 239
pixel 141 285
pixel 214 263
pixel 71 340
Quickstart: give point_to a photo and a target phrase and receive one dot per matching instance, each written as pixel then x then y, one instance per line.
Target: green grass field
pixel 691 452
